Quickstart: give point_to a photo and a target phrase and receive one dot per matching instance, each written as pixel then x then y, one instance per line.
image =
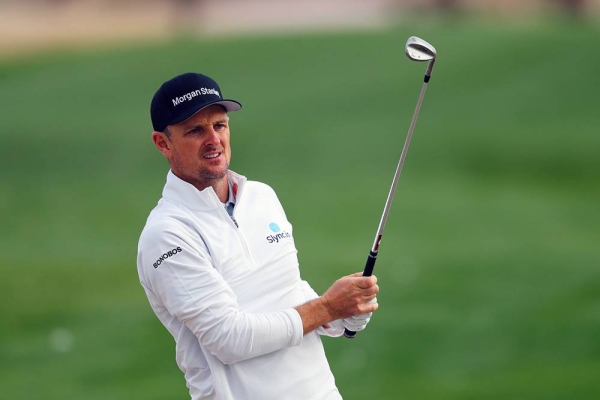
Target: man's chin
pixel 212 175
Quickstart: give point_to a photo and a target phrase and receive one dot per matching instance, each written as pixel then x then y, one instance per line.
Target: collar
pixel 232 192
pixel 179 191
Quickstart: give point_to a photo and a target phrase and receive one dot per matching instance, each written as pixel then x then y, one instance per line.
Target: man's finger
pixel 365 282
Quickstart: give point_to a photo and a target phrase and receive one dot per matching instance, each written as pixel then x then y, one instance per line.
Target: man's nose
pixel 212 137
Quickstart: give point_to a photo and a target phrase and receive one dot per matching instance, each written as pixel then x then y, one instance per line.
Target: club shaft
pixel 392 193
pixel 372 258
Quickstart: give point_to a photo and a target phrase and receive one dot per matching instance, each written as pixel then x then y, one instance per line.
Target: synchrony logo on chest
pixel 278 234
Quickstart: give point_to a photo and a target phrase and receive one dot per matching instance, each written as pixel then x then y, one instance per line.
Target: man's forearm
pixel 314 314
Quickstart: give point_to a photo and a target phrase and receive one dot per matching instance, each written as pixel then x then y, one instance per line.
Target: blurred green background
pixel 490 265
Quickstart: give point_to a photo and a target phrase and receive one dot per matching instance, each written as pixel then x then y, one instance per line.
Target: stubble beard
pixel 208 175
pixel 203 177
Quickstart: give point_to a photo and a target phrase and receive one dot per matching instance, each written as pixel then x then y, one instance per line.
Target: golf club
pixel 416 49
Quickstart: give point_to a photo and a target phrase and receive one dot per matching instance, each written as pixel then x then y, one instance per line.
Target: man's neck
pixel 221 188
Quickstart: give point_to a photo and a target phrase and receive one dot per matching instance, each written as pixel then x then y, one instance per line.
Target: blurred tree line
pixel 572 8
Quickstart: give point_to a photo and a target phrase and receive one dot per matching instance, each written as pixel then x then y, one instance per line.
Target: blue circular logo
pixel 274 227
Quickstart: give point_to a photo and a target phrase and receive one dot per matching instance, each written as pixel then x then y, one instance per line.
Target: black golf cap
pixel 183 96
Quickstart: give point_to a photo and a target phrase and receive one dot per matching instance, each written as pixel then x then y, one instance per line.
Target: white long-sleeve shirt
pixel 225 289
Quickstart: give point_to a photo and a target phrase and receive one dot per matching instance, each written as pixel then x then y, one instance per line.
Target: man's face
pixel 198 148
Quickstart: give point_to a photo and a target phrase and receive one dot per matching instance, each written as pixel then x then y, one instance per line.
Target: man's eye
pixel 194 131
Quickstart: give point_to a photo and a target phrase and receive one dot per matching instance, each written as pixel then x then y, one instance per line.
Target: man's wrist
pixel 314 314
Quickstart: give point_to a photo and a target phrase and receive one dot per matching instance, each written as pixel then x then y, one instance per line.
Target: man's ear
pixel 162 143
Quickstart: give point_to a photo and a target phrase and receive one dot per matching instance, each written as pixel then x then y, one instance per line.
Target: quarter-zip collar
pixel 179 191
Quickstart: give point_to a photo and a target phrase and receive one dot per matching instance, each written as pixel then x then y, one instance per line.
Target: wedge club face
pixel 419 50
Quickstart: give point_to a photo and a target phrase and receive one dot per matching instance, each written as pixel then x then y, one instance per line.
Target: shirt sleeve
pixel 192 291
pixel 308 292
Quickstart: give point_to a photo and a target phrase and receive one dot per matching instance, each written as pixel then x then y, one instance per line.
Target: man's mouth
pixel 212 155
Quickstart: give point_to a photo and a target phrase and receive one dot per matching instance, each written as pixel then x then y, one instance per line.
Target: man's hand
pixel 352 295
pixel 356 323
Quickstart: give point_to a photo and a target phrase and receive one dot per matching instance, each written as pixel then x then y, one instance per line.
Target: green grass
pixel 490 265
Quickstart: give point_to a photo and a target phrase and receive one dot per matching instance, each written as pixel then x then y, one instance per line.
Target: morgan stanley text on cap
pixel 183 96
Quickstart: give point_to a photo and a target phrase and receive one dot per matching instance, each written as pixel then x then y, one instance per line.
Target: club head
pixel 419 50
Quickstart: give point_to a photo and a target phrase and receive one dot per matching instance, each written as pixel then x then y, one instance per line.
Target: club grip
pixel 368 271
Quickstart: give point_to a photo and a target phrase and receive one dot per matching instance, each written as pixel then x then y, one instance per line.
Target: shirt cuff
pixel 295 327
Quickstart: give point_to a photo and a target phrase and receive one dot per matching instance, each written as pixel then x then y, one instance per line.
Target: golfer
pixel 218 263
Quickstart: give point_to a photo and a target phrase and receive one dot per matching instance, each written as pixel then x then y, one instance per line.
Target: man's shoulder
pixel 259 187
pixel 165 218
pixel 167 211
